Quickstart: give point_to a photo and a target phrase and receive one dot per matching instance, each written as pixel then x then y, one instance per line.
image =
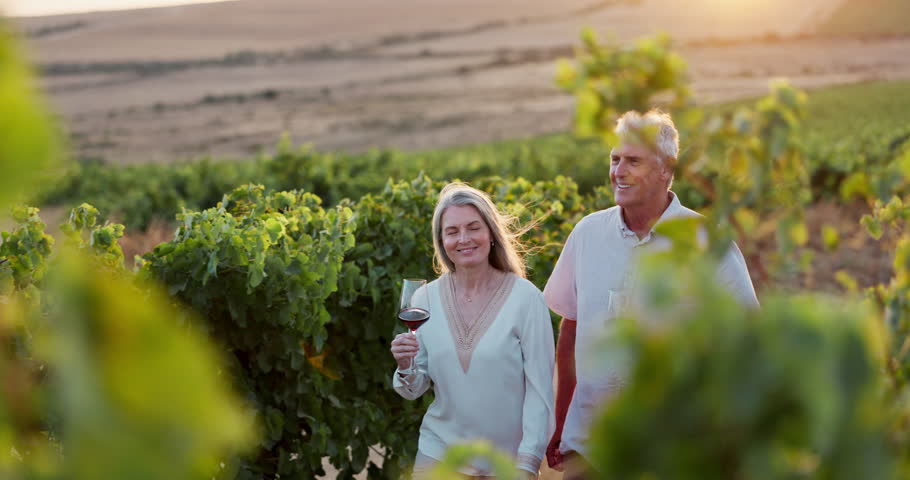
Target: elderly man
pixel 595 272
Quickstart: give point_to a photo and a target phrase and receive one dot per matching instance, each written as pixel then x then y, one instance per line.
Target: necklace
pixel 466 296
pixel 468 327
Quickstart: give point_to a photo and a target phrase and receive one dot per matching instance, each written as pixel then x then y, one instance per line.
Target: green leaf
pixel 31 145
pixel 275 229
pixel 799 233
pixel 262 360
pixel 257 274
pixel 830 237
pixel 683 233
pixel 211 269
pixel 872 225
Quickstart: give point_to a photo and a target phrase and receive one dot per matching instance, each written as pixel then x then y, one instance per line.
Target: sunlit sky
pixel 27 8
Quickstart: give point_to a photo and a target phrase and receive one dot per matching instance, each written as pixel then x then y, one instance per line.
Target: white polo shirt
pixel 597 264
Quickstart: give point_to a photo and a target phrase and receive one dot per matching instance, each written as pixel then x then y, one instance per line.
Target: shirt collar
pixel 674 210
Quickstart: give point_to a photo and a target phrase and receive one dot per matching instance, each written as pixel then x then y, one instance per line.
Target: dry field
pixel 227 79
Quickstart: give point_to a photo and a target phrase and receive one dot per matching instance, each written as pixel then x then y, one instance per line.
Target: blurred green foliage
pixel 461 455
pixel 793 390
pixel 893 301
pixel 135 395
pixel 609 79
pixel 102 382
pixel 97 381
pixel 31 144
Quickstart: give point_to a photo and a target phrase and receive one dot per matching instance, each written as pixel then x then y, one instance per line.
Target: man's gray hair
pixel 654 129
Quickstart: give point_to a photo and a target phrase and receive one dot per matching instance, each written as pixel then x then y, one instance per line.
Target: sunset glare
pixel 30 8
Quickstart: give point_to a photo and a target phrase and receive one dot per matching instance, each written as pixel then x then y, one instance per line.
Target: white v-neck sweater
pixel 506 396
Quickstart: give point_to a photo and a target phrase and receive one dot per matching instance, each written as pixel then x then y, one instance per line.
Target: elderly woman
pixel 488 348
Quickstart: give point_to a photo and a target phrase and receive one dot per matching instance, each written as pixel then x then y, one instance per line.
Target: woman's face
pixel 465 237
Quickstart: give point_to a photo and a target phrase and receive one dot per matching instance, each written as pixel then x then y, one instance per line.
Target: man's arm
pixel 565 387
pixel 733 274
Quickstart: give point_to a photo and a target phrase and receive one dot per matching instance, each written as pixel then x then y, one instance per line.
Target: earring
pixel 492 244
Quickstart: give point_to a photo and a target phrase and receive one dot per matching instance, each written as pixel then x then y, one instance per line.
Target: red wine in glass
pixel 410 313
pixel 413 317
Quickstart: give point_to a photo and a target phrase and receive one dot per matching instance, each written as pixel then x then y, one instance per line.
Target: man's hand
pixel 554 458
pixel 565 388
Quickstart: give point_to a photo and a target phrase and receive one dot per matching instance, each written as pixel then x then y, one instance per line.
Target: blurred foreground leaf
pixel 97 380
pixel 715 391
pixel 29 143
pixel 459 457
pixel 139 397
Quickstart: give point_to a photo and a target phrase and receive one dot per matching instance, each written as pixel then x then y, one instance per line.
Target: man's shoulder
pixel 597 219
pixel 685 212
pixel 682 211
pixel 678 210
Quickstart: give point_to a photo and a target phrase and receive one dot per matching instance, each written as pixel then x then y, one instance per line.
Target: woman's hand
pixel 404 348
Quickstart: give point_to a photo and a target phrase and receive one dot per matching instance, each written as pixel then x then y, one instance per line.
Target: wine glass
pixel 408 312
pixel 620 303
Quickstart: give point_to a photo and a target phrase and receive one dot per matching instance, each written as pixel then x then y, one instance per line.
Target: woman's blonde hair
pixel 504 253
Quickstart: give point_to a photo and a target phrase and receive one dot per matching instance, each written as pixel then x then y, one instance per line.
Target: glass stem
pixel 411 365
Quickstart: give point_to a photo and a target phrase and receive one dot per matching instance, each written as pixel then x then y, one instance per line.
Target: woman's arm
pixel 537 413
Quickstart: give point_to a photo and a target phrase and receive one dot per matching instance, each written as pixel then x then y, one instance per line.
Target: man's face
pixel 638 176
